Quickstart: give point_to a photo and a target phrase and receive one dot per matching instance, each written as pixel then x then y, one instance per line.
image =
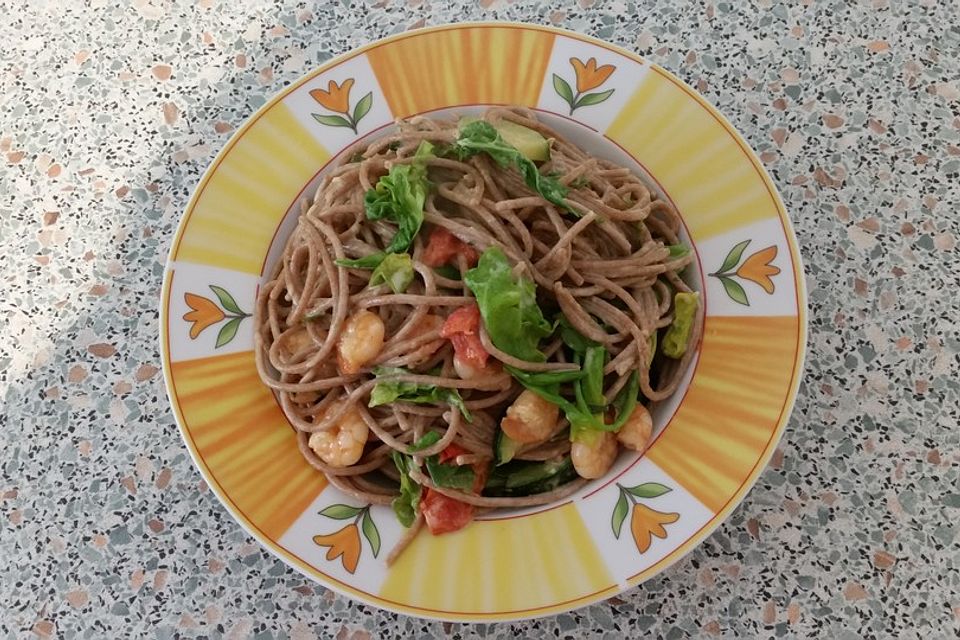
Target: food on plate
pixel 475 314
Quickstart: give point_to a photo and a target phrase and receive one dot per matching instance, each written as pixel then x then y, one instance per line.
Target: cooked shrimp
pixel 294 342
pixel 342 444
pixel 360 341
pixel 635 432
pixel 467 371
pixel 593 456
pixel 530 418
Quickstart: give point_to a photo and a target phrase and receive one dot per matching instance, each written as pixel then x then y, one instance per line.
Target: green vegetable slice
pixel 678 334
pixel 504 448
pixel 530 143
pixel 678 250
pixel 520 478
pixel 396 271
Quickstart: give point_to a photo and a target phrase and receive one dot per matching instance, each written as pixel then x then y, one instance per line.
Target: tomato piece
pixel 466 319
pixel 443 247
pixel 463 330
pixel 452 451
pixel 444 514
pixel 470 349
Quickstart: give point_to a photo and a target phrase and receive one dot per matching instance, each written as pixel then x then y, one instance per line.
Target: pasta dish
pixel 475 314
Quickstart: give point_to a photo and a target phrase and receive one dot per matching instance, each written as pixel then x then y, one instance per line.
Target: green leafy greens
pixel 585 413
pixel 508 306
pixel 405 505
pixel 397 197
pixel 394 390
pixel 451 476
pixel 396 271
pixel 479 136
pixel 444 475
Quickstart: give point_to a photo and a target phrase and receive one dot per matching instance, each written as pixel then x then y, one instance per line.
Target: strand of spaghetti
pixel 405 539
pixel 524 365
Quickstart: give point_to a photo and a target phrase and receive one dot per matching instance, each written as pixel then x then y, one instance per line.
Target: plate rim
pixel 677 553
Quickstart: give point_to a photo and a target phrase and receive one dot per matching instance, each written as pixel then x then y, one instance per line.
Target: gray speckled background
pixel 110 113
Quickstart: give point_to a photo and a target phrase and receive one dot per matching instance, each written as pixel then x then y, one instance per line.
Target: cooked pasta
pixel 475 314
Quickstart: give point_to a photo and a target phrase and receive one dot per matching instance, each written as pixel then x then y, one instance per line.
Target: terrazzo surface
pixel 111 112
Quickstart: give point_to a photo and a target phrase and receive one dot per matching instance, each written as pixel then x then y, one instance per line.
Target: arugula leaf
pixel 592 384
pixel 427 440
pixel 406 504
pixel 624 403
pixel 451 476
pixel 396 271
pixel 397 197
pixel 392 391
pixel 479 136
pixel 678 335
pixel 508 306
pixel 546 378
pixel 580 183
pixel 551 393
pixel 443 475
pixel 448 271
pixel 573 338
pixel 424 150
pixel 371 261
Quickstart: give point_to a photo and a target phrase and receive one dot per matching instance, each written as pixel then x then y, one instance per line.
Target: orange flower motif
pixel 344 544
pixel 205 313
pixel 588 75
pixel 336 97
pixel 646 522
pixel 757 268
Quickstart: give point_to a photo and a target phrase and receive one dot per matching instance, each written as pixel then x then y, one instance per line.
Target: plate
pixel 713 437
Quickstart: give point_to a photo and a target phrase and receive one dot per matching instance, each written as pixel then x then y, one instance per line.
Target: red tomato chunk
pixel 443 247
pixel 463 330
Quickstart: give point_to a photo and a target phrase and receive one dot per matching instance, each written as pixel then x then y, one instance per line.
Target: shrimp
pixel 294 342
pixel 468 371
pixel 635 432
pixel 530 418
pixel 342 444
pixel 360 341
pixel 593 456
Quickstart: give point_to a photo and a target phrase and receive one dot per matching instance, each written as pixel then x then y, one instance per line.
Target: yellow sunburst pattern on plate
pixel 249 192
pixel 468 65
pixel 501 565
pixel 708 175
pixel 239 432
pixel 724 424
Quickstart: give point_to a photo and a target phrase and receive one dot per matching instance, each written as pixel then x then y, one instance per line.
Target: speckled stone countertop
pixel 112 110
